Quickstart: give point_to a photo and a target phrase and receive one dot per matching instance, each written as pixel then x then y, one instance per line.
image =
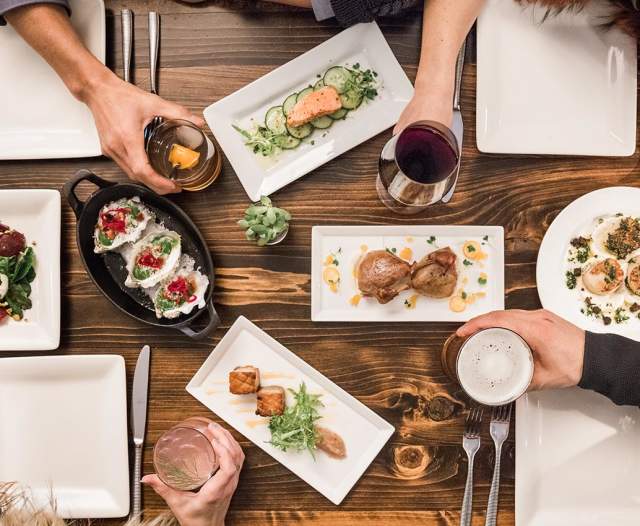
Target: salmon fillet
pixel 316 104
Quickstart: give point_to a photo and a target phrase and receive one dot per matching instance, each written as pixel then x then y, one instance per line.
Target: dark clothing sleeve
pixel 350 12
pixel 8 5
pixel 612 367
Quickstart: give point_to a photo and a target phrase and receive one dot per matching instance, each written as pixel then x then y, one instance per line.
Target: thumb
pixel 164 491
pixel 175 111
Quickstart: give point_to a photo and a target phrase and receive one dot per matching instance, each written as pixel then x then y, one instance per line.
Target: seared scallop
pixel 603 277
pixel 633 276
pixel 435 275
pixel 383 275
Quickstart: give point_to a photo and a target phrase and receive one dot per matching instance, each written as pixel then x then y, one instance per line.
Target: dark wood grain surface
pixel 208 52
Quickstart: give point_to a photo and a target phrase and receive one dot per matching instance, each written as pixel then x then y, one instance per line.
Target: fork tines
pixel 474 422
pixel 501 413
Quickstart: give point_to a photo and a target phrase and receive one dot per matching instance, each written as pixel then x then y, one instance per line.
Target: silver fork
pixel 471 444
pixel 499 429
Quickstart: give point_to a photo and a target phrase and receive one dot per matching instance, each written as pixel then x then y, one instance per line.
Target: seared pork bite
pixel 435 275
pixel 244 380
pixel 331 443
pixel 382 275
pixel 271 401
pixel 603 277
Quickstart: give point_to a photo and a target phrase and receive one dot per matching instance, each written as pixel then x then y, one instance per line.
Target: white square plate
pixel 564 86
pixel 40 118
pixel 64 432
pixel 348 243
pixel 577 460
pixel 363 432
pixel 35 213
pixel 364 44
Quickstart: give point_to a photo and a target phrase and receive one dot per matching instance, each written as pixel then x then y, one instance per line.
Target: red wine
pixel 424 155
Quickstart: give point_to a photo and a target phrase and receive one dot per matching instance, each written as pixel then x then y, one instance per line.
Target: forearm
pixel 612 368
pixel 46 28
pixel 445 26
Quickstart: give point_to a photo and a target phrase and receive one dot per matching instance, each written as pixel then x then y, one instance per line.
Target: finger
pixel 226 439
pixel 511 319
pixel 232 443
pixel 141 170
pixel 215 486
pixel 170 110
pixel 169 495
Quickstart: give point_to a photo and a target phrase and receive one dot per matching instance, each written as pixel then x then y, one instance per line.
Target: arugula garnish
pixel 295 428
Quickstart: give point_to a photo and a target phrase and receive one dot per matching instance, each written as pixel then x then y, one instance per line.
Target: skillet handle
pixel 214 321
pixel 70 186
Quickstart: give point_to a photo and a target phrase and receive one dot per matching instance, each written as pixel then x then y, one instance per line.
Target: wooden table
pixel 418 479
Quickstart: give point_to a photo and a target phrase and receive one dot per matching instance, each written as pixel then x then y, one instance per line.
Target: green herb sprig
pixel 296 428
pixel 20 270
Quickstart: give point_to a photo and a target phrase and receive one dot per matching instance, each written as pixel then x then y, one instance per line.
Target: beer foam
pixel 495 366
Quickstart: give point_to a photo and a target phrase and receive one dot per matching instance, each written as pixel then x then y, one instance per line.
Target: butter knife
pixel 154 43
pixel 456 124
pixel 139 422
pixel 127 42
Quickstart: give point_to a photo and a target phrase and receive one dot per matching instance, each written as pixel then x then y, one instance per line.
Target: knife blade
pixel 456 124
pixel 139 396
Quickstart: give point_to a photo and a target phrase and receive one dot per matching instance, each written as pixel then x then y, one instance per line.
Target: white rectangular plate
pixel 363 432
pixel 364 44
pixel 40 118
pixel 35 213
pixel 348 243
pixel 64 432
pixel 563 86
pixel 577 460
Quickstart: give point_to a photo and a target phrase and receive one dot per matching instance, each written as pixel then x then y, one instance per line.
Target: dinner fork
pixel 127 40
pixel 471 444
pixel 499 429
pixel 154 42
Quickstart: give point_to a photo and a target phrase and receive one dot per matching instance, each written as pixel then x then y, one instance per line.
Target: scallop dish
pixel 603 268
pixel 153 257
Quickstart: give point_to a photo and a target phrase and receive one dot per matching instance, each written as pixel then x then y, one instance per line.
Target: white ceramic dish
pixel 36 213
pixel 40 118
pixel 363 432
pixel 551 265
pixel 364 44
pixel 348 242
pixel 577 460
pixel 563 86
pixel 64 432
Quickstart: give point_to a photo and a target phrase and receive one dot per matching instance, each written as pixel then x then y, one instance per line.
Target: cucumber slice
pixel 351 99
pixel 340 114
pixel 304 93
pixel 318 85
pixel 286 142
pixel 276 121
pixel 337 76
pixel 289 103
pixel 300 132
pixel 322 123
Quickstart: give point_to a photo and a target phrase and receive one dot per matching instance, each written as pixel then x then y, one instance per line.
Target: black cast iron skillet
pixel 108 270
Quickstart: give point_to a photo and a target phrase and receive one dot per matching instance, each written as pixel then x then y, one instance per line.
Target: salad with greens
pixel 351 86
pixel 296 428
pixel 17 272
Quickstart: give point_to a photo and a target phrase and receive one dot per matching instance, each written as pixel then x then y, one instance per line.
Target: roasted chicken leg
pixel 382 275
pixel 435 275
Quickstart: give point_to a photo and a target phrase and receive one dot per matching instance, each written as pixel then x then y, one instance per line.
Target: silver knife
pixel 127 40
pixel 139 421
pixel 456 124
pixel 154 42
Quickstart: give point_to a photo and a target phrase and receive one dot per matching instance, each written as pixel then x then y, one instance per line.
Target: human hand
pixel 556 344
pixel 121 111
pixel 207 507
pixel 427 104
